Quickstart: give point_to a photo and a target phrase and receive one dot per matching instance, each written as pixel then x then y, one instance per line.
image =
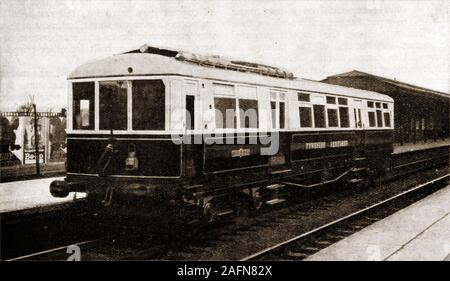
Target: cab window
pixel 149 105
pixel 83 105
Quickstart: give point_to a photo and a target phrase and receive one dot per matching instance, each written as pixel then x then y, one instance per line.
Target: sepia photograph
pixel 251 132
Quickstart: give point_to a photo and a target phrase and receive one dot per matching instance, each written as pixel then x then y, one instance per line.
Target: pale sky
pixel 43 41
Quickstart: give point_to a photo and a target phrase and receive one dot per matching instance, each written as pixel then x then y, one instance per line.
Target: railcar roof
pixel 144 64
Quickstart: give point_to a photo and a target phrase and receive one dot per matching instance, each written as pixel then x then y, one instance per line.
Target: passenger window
pixel 331 100
pixel 385 106
pixel 225 112
pixel 319 116
pixel 387 119
pixel 190 113
pixel 378 105
pixel 305 117
pixel 149 105
pixel 113 105
pixel 332 117
pixel 372 119
pixel 83 105
pixel 370 104
pixel 282 116
pixel 342 101
pixel 379 119
pixel 303 97
pixel 344 118
pixel 248 113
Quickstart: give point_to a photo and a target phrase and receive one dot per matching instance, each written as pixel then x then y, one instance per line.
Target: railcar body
pixel 172 129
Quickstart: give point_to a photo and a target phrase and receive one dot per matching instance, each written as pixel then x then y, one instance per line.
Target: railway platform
pixel 28 194
pixel 20 172
pixel 420 231
pixel 409 147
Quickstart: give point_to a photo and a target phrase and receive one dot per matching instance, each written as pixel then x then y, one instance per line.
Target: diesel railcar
pixel 160 129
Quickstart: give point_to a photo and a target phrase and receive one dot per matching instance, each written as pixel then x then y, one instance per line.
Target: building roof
pixel 357 73
pixel 166 62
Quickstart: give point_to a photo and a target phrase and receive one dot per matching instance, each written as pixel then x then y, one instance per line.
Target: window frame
pixel 333 98
pixel 379 114
pixel 347 107
pixel 278 96
pixel 240 120
pixel 328 117
pixel 325 117
pixel 236 114
pixel 311 117
pixel 192 121
pixel 197 126
pixel 384 107
pixel 166 81
pixel 387 110
pixel 237 96
pixel 384 118
pixel 305 94
pixel 70 115
pixel 358 106
pixel 128 113
pixel 374 118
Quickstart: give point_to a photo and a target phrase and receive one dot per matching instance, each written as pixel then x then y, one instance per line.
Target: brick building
pixel 421 114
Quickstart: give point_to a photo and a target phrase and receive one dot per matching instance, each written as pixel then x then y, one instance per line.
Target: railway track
pixel 211 238
pixel 35 230
pixel 305 244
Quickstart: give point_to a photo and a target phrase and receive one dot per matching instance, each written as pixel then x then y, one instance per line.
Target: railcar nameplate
pixel 240 152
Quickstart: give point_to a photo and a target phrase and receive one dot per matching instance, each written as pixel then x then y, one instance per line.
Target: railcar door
pixel 192 120
pixel 359 125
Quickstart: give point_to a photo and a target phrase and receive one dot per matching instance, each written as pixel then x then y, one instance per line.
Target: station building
pixel 421 115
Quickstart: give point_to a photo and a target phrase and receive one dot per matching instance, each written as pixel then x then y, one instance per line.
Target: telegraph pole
pixel 36 141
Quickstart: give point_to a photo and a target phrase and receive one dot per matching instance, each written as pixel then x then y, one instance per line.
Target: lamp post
pixel 36 141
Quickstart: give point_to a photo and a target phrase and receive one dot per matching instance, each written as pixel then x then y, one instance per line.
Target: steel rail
pixel 51 250
pixel 345 218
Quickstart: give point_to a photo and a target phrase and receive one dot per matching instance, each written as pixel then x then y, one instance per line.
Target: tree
pixel 27 106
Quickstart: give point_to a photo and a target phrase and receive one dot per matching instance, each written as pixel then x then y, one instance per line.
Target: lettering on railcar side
pixel 315 145
pixel 339 143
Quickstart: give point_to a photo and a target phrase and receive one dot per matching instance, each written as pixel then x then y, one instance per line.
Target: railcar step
pixel 275 186
pixel 337 236
pixel 225 213
pixel 324 242
pixel 275 201
pixel 355 169
pixel 280 171
pixel 193 186
pixel 359 158
pixel 295 255
pixel 346 231
pixel 354 181
pixel 310 249
pixel 357 227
